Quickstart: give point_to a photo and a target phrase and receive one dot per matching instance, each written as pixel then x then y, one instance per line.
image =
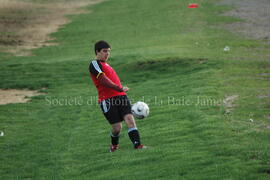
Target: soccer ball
pixel 140 110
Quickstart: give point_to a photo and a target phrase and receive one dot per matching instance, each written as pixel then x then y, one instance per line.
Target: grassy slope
pixel 179 54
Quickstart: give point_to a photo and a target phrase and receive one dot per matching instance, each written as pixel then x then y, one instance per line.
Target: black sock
pixel 134 136
pixel 115 139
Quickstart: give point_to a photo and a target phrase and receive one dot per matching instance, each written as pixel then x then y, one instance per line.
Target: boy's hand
pixel 125 88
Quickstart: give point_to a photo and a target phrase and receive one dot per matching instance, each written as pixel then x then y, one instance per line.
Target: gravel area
pixel 256 14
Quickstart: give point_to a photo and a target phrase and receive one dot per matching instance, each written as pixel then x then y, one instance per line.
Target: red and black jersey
pixel 96 68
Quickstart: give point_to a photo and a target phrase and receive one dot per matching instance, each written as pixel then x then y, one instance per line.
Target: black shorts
pixel 115 108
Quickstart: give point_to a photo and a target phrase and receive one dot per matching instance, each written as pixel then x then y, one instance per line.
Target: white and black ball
pixel 140 110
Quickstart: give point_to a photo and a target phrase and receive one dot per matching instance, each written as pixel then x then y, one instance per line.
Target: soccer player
pixel 112 97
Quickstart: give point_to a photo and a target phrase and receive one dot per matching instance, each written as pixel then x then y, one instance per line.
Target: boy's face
pixel 104 54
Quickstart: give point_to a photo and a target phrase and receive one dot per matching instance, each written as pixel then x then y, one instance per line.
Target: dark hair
pixel 101 45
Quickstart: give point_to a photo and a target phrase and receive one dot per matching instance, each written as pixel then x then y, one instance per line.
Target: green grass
pixel 169 56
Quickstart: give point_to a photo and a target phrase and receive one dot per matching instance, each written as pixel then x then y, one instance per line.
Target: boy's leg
pixel 132 130
pixel 110 111
pixel 116 129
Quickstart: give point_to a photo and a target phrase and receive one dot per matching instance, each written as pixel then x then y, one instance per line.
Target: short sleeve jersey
pixel 96 68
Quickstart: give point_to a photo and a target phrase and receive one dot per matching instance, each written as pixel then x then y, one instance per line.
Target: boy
pixel 112 97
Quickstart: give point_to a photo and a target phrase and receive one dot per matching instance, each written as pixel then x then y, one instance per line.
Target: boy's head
pixel 102 50
pixel 101 45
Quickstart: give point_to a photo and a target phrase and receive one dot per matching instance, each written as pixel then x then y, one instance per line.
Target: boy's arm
pixel 105 81
pixel 96 69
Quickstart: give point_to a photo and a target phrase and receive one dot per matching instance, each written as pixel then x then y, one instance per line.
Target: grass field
pixel 209 108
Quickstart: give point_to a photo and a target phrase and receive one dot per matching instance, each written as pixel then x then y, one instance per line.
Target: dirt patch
pixel 16 96
pixel 25 26
pixel 256 15
pixel 263 96
pixel 228 103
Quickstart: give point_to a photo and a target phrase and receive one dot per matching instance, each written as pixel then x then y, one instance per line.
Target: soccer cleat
pixel 141 146
pixel 113 148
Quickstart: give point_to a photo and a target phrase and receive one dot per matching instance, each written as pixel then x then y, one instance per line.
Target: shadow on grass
pixel 161 68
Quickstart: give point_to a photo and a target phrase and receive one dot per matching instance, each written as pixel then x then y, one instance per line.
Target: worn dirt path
pixel 256 14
